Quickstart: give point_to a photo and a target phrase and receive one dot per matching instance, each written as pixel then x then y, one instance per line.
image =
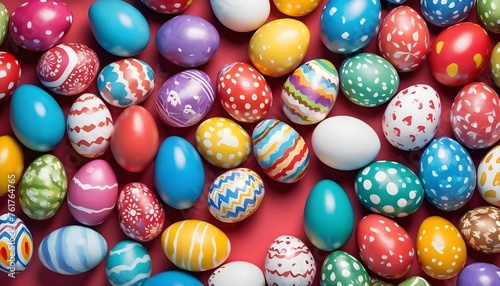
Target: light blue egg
pixel 128 263
pixel 447 173
pixel 118 27
pixel 445 13
pixel 16 243
pixel 72 249
pixel 36 118
pixel 173 278
pixel 178 173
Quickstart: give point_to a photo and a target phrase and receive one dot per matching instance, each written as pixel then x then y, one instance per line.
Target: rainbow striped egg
pixel 16 244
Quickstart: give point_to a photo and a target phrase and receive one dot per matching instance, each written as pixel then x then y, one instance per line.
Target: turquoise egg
pixel 173 278
pixel 328 216
pixel 16 244
pixel 389 188
pixel 128 263
pixel 36 118
pixel 118 27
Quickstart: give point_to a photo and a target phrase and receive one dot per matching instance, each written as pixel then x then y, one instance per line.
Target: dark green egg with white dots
pixel 368 79
pixel 415 281
pixel 389 188
pixel 341 268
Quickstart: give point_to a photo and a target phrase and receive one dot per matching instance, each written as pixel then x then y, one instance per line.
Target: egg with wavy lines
pixel 16 244
pixel 128 264
pixel 488 177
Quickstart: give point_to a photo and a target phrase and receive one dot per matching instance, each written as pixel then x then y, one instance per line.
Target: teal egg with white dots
pixel 128 263
pixel 389 188
pixel 341 268
pixel 368 79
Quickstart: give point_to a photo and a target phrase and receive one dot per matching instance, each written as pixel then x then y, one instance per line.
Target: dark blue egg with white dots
pixel 447 173
pixel 444 13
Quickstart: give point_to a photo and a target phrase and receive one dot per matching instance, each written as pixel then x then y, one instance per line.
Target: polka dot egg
pixel 4 23
pixel 341 268
pixel 495 64
pixel 488 177
pixel 446 12
pixel 489 15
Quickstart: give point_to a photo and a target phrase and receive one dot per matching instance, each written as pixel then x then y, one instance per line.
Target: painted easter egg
pixel 495 64
pixel 241 16
pixel 173 278
pixel 4 23
pixel 11 71
pixel 480 229
pixel 11 165
pixel 479 274
pixel 377 281
pixel 72 250
pixel 43 187
pixel 309 93
pixel 446 13
pixel 488 177
pixel 415 281
pixel 296 8
pixel 489 15
pixel 167 6
pixel 240 273
pixel 341 268
pixel 16 244
pixel 128 263
pixel 195 245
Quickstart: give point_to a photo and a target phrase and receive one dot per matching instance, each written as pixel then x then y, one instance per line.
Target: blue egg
pixel 349 25
pixel 118 27
pixel 128 263
pixel 178 173
pixel 444 13
pixel 16 244
pixel 173 278
pixel 72 249
pixel 36 118
pixel 447 173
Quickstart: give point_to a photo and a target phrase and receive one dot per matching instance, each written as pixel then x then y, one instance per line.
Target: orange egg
pixel 296 8
pixel 11 164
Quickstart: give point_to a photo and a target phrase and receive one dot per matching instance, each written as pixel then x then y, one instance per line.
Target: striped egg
pixel 72 249
pixel 16 244
pixel 280 151
pixel 195 245
pixel 309 93
pixel 128 263
pixel 235 195
pixel 488 177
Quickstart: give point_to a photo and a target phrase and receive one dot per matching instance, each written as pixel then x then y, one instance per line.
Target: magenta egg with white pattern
pixel 38 25
pixel 167 6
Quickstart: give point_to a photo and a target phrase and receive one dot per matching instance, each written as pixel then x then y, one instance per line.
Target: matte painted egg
pixel 10 69
pixel 341 268
pixel 92 192
pixel 279 46
pixel 489 15
pixel 479 274
pixel 280 151
pixel 11 164
pixel 376 281
pixel 488 177
pixel 296 8
pixel 68 68
pixel 446 13
pixel 128 263
pixel 481 230
pixel 36 118
pixel 140 214
pixel 173 278
pixel 239 273
pixel 412 117
pixel 43 187
pixel 495 64
pixel 447 173
pixel 72 250
pixel 415 281
pixel 441 250
pixel 16 244
pixel 126 82
pixel 167 6
pixel 4 22
pixel 241 16
pixel 309 93
pixel 185 98
pixel 195 245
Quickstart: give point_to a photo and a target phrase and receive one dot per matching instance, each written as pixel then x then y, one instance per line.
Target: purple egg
pixel 480 274
pixel 185 98
pixel 187 40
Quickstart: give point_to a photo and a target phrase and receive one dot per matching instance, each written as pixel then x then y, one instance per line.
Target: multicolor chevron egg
pixel 235 195
pixel 89 126
pixel 195 245
pixel 309 93
pixel 126 82
pixel 280 151
pixel 16 244
pixel 72 249
pixel 128 263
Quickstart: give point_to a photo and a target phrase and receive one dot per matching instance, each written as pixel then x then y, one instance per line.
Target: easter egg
pixel 489 15
pixel 240 273
pixel 178 173
pixel 459 54
pixel 167 6
pixel 376 281
pixel 347 26
pixel 480 229
pixel 43 187
pixel 279 46
pixel 140 214
pixel 309 93
pixel 341 268
pixel 447 173
pixel 195 245
pixel 72 250
pixel 368 79
pixel 135 127
pixel 280 151
pixel 196 40
pixel 11 165
pixel 11 71
pixel 441 250
pixel 296 8
pixel 36 118
pixel 185 98
pixel 68 68
pixel 4 23
pixel 235 195
pixel 243 92
pixel 241 16
pixel 338 147
pixel 128 263
pixel 389 188
pixel 326 203
pixel 173 278
pixel 414 281
pixel 488 176
pixel 222 142
pixel 404 39
pixel 495 64
pixel 411 119
pixel 126 82
pixel 92 192
pixel 384 246
pixel 16 244
pixel 479 274
pixel 38 25
pixel 446 13
pixel 475 116
pixel 118 27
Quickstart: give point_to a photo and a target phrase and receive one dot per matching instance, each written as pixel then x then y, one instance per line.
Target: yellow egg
pixel 488 176
pixel 278 47
pixel 11 164
pixel 296 8
pixel 222 142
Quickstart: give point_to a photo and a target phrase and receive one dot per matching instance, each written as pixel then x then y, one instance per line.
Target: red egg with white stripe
pixel 384 246
pixel 10 74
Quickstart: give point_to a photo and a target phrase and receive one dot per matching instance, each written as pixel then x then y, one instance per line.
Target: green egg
pixel 43 187
pixel 341 268
pixel 488 12
pixel 368 79
pixel 495 64
pixel 415 281
pixel 4 23
pixel 379 282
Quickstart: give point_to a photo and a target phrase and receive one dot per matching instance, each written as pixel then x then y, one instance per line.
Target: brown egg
pixel 480 228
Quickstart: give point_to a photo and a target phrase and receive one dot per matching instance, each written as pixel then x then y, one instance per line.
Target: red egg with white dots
pixel 167 6
pixel 10 74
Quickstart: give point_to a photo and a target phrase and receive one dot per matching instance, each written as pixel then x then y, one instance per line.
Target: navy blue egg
pixel 444 13
pixel 447 173
pixel 173 278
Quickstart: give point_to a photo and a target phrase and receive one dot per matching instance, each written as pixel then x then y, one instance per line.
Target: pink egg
pixel 167 6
